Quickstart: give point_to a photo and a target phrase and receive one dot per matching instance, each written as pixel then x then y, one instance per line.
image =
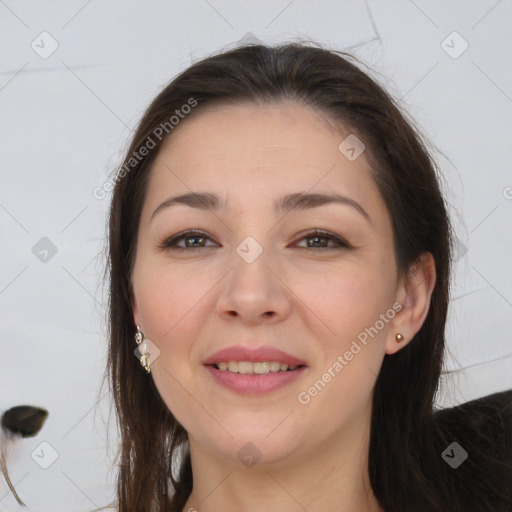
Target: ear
pixel 413 294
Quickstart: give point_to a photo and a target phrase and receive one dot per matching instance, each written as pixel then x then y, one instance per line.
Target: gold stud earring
pixel 143 349
pixel 399 337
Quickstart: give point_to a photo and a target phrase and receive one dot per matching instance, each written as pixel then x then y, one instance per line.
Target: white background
pixel 66 119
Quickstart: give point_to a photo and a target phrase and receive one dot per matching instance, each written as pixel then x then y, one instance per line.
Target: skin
pixel 310 302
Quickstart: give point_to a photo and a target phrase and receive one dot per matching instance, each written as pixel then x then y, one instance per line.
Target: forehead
pixel 257 134
pixel 245 151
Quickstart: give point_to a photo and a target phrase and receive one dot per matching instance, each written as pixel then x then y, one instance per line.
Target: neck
pixel 334 478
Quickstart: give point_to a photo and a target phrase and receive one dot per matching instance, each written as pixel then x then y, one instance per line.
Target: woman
pixel 279 259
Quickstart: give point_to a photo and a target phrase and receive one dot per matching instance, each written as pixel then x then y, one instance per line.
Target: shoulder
pixel 479 433
pixel 484 422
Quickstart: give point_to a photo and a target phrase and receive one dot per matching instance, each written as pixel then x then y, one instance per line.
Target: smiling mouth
pixel 254 368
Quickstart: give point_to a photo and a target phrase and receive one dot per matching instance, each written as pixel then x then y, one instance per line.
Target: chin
pixel 254 447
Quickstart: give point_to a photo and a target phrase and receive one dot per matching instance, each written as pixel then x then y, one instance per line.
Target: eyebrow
pixel 287 203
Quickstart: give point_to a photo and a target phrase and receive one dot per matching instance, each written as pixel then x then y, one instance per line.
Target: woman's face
pixel 257 277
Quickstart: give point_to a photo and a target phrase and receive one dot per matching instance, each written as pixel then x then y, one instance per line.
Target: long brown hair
pixel 405 464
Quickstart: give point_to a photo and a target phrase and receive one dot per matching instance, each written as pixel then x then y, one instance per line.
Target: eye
pixel 196 237
pixel 317 236
pixel 197 240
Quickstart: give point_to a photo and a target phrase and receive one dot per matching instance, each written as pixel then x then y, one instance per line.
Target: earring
pixel 399 337
pixel 143 349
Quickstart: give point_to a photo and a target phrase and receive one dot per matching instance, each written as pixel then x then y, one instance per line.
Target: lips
pixel 255 371
pixel 255 355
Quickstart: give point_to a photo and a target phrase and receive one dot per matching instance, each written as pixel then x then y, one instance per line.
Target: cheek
pixel 167 298
pixel 351 337
pixel 346 300
pixel 170 305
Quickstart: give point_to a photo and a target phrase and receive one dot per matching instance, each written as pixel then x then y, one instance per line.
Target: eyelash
pixel 170 243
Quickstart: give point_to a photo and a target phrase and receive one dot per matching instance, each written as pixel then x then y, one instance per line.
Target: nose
pixel 254 292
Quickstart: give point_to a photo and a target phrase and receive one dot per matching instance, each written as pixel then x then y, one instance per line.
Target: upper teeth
pixel 248 367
